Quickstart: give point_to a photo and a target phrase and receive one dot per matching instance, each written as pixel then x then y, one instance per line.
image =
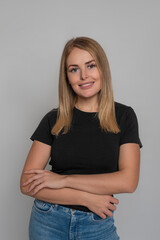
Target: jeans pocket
pixel 97 218
pixel 42 206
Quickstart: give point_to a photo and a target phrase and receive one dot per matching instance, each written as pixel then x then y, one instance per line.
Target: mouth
pixel 86 85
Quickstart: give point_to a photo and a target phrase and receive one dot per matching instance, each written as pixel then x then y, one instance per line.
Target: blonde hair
pixel 68 98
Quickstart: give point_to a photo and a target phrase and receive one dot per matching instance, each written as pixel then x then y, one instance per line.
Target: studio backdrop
pixel 32 37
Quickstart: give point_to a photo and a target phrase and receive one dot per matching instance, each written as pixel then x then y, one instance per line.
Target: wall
pixel 33 34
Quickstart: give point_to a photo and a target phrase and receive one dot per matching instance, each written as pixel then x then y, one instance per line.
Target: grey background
pixel 32 35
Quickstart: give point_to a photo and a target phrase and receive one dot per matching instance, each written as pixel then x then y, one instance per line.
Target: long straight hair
pixel 68 98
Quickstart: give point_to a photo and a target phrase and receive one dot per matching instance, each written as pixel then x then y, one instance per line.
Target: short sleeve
pixel 129 128
pixel 43 131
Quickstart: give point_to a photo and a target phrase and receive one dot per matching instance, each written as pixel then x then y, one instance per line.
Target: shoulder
pixel 52 113
pixel 50 117
pixel 43 130
pixel 128 123
pixel 120 107
pixel 123 111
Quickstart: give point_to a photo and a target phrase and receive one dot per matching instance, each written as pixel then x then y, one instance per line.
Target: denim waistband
pixel 58 207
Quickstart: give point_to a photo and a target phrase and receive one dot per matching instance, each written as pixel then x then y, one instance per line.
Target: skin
pixel 37 158
pixel 81 68
pixel 93 191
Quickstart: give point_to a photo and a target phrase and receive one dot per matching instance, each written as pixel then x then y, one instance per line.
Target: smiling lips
pixel 86 85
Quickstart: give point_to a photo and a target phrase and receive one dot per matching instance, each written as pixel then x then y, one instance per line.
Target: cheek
pixel 73 79
pixel 99 83
pixel 96 74
pixel 98 77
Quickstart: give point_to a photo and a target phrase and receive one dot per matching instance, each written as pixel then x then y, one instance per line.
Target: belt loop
pixel 55 206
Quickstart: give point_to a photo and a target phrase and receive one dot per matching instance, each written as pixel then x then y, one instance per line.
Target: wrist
pixel 68 181
pixel 86 199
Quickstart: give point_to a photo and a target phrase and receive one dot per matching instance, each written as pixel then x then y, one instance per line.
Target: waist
pixel 77 207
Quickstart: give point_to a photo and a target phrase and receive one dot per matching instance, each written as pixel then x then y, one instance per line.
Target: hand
pixel 44 179
pixel 102 205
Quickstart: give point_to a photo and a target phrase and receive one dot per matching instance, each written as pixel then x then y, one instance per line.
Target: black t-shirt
pixel 86 149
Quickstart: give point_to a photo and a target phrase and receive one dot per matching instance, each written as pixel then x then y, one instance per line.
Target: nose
pixel 83 74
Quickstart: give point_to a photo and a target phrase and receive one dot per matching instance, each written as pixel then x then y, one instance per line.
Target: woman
pixel 94 146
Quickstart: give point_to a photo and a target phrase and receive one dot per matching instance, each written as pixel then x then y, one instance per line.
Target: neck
pixel 87 106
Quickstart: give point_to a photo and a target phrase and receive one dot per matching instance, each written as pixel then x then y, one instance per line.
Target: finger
pixel 114 200
pixel 38 188
pixel 33 171
pixel 35 184
pixel 33 178
pixel 112 207
pixel 102 215
pixel 108 213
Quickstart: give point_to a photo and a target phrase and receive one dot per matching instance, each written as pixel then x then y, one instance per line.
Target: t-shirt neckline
pixel 80 111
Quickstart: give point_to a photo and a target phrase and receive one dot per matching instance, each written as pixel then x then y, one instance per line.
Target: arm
pixel 37 158
pixel 123 181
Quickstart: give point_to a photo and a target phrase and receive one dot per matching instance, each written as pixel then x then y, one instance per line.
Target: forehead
pixel 78 56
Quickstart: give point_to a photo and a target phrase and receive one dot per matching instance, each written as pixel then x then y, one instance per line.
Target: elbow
pixel 23 189
pixel 131 187
pixel 130 183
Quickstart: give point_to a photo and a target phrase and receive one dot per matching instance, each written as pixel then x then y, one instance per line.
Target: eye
pixel 73 70
pixel 91 66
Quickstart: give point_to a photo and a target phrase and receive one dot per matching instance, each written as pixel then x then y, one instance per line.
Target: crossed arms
pixel 52 187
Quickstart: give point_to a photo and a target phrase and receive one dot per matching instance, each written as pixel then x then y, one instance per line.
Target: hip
pixel 53 221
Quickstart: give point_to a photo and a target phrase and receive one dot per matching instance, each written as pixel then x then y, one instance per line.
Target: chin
pixel 87 95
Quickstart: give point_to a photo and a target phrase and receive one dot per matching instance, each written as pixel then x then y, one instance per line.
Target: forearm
pixel 61 196
pixel 107 183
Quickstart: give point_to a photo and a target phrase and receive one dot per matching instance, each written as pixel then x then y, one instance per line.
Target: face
pixel 83 74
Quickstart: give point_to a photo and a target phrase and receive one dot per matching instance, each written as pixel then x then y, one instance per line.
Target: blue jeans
pixel 55 222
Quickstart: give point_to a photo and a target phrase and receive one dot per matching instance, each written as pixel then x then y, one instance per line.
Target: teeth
pixel 87 84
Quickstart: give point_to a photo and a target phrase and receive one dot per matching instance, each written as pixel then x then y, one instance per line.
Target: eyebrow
pixel 75 65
